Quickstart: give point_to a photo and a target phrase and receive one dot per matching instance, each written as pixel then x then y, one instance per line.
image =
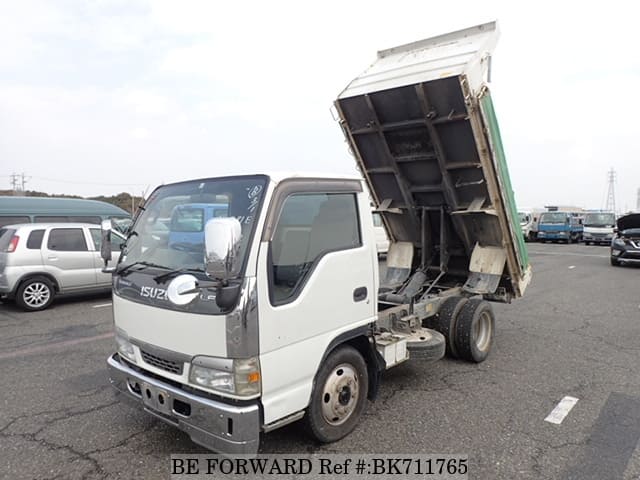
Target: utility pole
pixel 611 192
pixel 14 183
pixel 24 180
pixel 17 182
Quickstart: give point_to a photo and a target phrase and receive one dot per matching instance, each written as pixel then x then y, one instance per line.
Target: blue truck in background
pixel 186 228
pixel 560 226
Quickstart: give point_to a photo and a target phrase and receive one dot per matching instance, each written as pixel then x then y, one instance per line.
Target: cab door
pixel 316 280
pixel 66 256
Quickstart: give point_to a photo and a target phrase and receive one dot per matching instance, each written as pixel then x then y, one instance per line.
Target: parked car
pixel 40 261
pixel 625 246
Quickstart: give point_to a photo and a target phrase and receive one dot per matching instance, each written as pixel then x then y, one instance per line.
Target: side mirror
pixel 105 244
pixel 222 245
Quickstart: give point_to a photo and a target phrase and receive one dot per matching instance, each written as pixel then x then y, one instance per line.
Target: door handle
pixel 359 294
pixel 52 257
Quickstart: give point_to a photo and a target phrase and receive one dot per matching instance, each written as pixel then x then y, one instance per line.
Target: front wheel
pixel 339 395
pixel 615 262
pixel 35 294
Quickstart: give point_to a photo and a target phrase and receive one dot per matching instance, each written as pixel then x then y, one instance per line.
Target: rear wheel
pixel 445 321
pixel 339 395
pixel 474 330
pixel 35 293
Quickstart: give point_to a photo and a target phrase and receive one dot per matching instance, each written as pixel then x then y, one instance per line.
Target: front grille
pixel 162 363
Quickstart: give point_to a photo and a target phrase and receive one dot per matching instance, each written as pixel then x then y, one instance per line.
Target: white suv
pixel 39 261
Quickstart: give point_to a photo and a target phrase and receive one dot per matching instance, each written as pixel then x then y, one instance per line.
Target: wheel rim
pixel 482 331
pixel 340 394
pixel 36 294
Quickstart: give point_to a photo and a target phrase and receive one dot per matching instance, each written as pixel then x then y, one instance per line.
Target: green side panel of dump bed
pixel 489 114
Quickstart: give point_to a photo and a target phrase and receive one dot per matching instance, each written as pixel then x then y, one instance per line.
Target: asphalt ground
pixel 575 333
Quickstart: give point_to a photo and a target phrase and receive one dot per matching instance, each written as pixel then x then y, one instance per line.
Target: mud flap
pixel 486 267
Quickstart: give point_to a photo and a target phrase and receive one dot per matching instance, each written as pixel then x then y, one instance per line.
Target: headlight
pixel 619 242
pixel 239 376
pixel 125 348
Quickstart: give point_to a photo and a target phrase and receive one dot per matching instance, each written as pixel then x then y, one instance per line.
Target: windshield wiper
pixel 163 277
pixel 127 269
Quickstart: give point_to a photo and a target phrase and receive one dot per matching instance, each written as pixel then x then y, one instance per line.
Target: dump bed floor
pixel 432 164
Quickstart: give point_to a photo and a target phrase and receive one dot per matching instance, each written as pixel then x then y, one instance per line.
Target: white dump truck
pixel 275 311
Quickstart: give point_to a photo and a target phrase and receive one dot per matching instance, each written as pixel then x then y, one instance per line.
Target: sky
pixel 100 97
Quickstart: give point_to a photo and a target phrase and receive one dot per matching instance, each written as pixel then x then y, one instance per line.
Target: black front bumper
pixel 625 254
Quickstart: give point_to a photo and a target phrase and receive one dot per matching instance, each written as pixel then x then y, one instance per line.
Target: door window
pixel 50 219
pixel 309 227
pixel 86 219
pixel 34 241
pixel 13 220
pixel 67 240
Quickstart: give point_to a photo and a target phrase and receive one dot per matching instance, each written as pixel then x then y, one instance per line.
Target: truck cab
pixel 599 228
pixel 186 227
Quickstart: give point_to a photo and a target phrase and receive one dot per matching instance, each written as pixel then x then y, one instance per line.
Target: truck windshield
pixel 554 217
pixel 599 220
pixel 170 230
pixel 524 218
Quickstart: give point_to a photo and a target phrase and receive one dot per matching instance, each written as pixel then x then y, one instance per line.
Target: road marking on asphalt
pixel 53 346
pixel 102 305
pixel 562 410
pixel 568 253
pixel 571 266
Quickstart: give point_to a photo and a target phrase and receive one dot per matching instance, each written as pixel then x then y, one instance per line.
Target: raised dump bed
pixel 421 124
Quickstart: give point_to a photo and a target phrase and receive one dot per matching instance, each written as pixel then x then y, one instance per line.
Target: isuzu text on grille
pixel 153 292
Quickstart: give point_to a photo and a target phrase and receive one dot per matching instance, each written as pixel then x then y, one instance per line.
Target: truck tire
pixel 35 293
pixel 474 330
pixel 428 348
pixel 445 321
pixel 339 395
